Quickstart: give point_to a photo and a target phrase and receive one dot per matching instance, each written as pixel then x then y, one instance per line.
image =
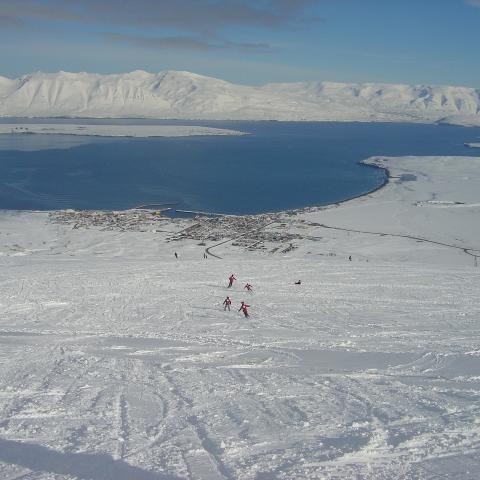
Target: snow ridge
pixel 185 95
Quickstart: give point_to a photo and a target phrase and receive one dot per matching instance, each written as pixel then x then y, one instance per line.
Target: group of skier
pixel 232 278
pixel 243 307
pixel 228 302
pixel 248 287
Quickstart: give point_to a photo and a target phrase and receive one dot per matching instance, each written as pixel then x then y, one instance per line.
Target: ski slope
pixel 117 361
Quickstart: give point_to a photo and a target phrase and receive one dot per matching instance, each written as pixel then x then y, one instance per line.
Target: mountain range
pixel 185 95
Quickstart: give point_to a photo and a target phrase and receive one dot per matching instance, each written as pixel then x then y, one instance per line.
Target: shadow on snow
pixel 86 466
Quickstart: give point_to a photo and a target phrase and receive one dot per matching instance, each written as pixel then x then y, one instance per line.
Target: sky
pixel 248 41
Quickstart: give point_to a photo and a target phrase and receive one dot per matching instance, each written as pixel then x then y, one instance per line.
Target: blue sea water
pixel 278 166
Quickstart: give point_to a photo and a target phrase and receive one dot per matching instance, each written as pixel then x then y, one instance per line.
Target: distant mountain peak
pixel 185 95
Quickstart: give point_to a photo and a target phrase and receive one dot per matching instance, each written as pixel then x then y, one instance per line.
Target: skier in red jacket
pixel 243 308
pixel 227 302
pixel 231 278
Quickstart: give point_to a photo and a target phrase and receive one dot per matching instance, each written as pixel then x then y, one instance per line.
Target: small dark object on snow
pixel 176 256
pixel 298 283
pixel 350 257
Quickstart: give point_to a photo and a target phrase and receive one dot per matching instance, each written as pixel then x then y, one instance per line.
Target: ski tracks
pixel 200 452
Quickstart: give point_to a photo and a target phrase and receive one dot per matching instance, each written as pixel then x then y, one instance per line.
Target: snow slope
pixel 185 95
pixel 118 361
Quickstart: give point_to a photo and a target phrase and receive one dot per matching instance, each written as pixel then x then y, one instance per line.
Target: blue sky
pixel 248 41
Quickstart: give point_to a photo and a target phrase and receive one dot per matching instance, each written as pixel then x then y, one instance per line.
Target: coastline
pixel 420 203
pixel 384 184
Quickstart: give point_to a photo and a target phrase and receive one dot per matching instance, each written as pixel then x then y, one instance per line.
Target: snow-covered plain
pixel 117 361
pixel 184 95
pixel 114 130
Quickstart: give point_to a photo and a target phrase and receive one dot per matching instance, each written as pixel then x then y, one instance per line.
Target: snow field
pixel 363 371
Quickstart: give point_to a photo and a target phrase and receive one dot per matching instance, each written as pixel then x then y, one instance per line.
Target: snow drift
pixel 185 95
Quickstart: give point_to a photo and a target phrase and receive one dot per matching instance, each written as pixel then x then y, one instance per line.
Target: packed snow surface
pixel 114 130
pixel 117 360
pixel 184 95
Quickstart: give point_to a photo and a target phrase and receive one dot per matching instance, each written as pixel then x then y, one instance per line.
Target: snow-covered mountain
pixel 185 95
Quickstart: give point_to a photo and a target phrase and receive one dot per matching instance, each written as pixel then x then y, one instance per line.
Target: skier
pixel 248 287
pixel 243 308
pixel 350 257
pixel 299 282
pixel 176 256
pixel 227 302
pixel 231 278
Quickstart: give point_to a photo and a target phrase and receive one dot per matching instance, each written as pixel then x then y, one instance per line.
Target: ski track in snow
pixel 118 362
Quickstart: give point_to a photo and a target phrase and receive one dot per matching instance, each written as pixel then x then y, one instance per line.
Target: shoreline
pixel 314 208
pixel 296 211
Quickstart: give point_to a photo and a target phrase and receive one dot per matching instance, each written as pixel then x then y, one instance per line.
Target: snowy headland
pixel 117 360
pixel 113 130
pixel 185 95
